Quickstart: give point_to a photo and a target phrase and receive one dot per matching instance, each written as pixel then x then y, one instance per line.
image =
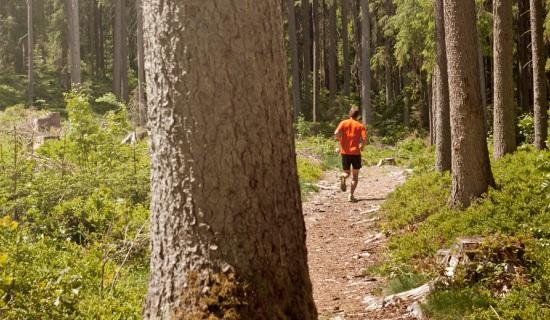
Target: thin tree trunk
pixel 316 58
pixel 365 64
pixel 120 62
pixel 345 39
pixel 142 104
pixel 471 170
pixel 442 115
pixel 504 133
pixel 306 52
pixel 357 39
pixel 293 42
pixel 228 241
pixel 30 38
pixel 333 51
pixel 525 76
pixel 74 41
pixel 98 38
pixel 388 66
pixel 539 78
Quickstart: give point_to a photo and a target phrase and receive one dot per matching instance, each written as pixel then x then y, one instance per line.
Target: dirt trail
pixel 343 239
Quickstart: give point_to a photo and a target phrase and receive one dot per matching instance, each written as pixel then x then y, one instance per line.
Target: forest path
pixel 343 239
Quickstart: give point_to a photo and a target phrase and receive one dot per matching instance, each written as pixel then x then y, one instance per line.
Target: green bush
pixel 418 216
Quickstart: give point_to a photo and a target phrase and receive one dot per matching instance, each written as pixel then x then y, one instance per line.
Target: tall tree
pixel 293 43
pixel 306 53
pixel 316 58
pixel 365 63
pixel 142 104
pixel 388 54
pixel 441 101
pixel 525 75
pixel 225 243
pixel 30 62
pixel 539 78
pixel 74 40
pixel 120 48
pixel 504 135
pixel 471 170
pixel 332 50
pixel 98 38
pixel 345 47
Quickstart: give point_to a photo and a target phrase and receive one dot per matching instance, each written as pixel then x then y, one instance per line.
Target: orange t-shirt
pixel 352 132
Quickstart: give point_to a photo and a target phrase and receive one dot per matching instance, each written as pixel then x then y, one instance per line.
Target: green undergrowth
pixel 74 218
pixel 418 217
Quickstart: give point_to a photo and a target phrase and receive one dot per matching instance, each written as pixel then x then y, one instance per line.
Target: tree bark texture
pixel 471 171
pixel 345 47
pixel 441 102
pixel 539 78
pixel 74 40
pixel 367 114
pixel 388 66
pixel 293 43
pixel 504 133
pixel 98 38
pixel 227 230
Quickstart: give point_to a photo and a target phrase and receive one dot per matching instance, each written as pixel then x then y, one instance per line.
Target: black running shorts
pixel 351 160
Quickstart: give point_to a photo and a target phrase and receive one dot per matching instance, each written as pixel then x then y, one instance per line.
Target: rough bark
pixel 539 78
pixel 74 41
pixel 332 51
pixel 227 230
pixel 30 58
pixel 142 104
pixel 345 46
pixel 365 63
pixel 471 171
pixel 482 84
pixel 306 53
pixel 293 43
pixel 357 40
pixel 316 59
pixel 441 101
pixel 504 133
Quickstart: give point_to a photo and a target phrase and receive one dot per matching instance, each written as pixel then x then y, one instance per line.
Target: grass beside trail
pixel 517 211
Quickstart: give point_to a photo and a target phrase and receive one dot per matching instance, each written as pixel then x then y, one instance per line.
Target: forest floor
pixel 344 240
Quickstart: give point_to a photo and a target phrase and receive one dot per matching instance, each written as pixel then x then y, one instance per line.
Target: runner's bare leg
pixel 355 181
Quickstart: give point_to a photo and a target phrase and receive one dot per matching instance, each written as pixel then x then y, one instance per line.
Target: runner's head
pixel 354 112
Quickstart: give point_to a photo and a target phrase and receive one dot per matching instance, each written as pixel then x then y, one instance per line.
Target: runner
pixel 352 136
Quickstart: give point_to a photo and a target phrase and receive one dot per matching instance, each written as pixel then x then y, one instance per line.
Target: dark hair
pixel 354 112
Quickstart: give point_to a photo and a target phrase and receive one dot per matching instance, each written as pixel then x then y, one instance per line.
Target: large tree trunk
pixel 293 43
pixel 74 40
pixel 539 78
pixel 120 48
pixel 345 46
pixel 306 53
pixel 30 61
pixel 332 52
pixel 357 40
pixel 482 83
pixel 316 58
pixel 441 102
pixel 365 63
pixel 471 170
pixel 227 230
pixel 504 133
pixel 142 104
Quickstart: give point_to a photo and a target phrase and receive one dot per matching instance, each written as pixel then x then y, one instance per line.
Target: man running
pixel 352 136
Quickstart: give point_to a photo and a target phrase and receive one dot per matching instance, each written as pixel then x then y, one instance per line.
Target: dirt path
pixel 343 239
